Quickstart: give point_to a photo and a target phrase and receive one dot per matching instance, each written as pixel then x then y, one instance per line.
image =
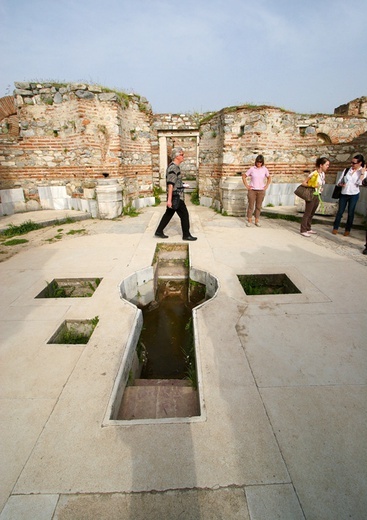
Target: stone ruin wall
pixel 290 142
pixel 357 107
pixel 70 135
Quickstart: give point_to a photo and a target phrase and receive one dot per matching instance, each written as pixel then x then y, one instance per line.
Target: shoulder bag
pixel 338 189
pixel 336 192
pixel 305 192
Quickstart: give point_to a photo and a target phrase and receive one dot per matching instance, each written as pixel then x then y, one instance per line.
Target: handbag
pixel 305 192
pixel 337 192
pixel 175 201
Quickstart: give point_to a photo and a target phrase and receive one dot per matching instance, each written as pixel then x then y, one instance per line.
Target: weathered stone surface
pixel 84 94
pixel 77 86
pixel 22 85
pixel 57 98
pixel 22 92
pixel 107 96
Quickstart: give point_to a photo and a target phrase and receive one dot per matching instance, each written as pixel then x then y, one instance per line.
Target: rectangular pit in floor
pixel 70 288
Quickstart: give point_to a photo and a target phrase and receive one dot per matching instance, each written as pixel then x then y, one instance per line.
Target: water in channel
pixel 167 330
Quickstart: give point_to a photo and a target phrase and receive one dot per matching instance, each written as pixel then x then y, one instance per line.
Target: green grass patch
pixel 194 197
pixel 66 220
pixel 15 241
pixel 22 229
pixel 75 231
pixel 130 211
pixel 157 191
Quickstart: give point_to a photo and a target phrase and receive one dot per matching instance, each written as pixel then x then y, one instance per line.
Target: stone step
pixel 162 382
pixel 172 272
pixel 172 262
pixel 176 254
pixel 158 402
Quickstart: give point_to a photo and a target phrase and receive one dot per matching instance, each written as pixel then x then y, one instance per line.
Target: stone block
pixel 109 197
pixel 89 193
pixel 6 208
pixel 13 195
pixel 281 194
pixel 92 207
pixel 75 204
pixel 19 207
pixel 33 205
pixel 329 208
pixel 143 203
pixel 108 96
pixel 206 201
pixel 109 210
pixel 47 204
pixel 233 196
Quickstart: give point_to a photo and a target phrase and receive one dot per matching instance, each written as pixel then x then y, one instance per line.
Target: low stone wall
pixel 234 201
pixel 100 205
pixel 49 197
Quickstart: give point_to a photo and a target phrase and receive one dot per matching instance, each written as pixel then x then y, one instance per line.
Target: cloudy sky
pixel 192 55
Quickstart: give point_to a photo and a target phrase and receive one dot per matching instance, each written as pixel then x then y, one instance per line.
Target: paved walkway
pixel 283 428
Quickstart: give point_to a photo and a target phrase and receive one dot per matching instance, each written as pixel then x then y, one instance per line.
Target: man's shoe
pixel 335 231
pixel 364 252
pixel 160 235
pixel 346 233
pixel 189 237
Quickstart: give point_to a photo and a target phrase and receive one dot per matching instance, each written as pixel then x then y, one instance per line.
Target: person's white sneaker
pixel 248 224
pixel 312 232
pixel 306 234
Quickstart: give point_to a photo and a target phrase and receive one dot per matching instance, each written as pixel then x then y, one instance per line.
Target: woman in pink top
pixel 256 180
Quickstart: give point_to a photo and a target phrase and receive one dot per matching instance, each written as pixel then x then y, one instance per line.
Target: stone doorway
pixel 189 141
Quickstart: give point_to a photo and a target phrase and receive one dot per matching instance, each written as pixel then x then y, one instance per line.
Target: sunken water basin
pixel 70 288
pixel 254 284
pixel 74 332
pixel 160 378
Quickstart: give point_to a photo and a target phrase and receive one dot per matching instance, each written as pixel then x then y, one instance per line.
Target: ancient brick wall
pixel 72 135
pixel 290 142
pixel 357 107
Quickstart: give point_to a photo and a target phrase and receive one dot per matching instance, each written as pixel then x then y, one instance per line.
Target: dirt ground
pixel 45 235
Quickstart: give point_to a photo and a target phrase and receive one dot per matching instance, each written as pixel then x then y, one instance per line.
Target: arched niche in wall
pixel 323 138
pixel 9 121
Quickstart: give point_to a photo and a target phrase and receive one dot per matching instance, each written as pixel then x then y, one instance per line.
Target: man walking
pixel 175 198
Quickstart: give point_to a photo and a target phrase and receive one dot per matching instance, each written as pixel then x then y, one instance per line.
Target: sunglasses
pixel 354 162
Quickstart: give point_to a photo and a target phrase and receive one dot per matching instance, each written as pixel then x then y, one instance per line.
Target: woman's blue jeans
pixel 351 200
